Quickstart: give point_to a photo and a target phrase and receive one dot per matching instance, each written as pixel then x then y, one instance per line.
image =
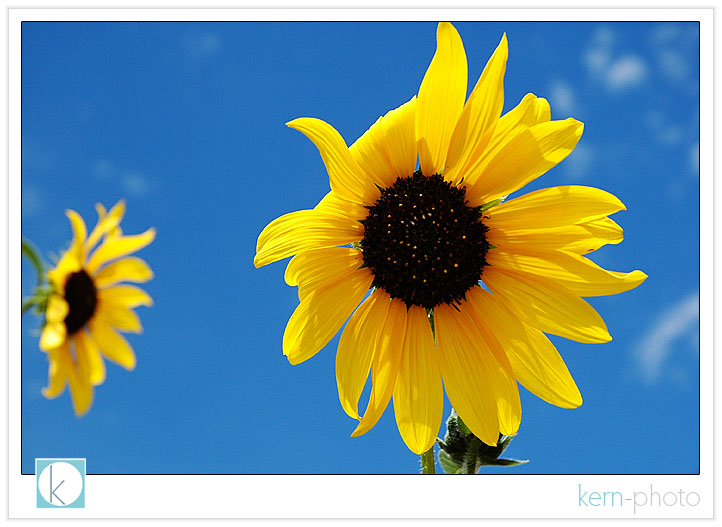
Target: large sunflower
pixel 464 284
pixel 88 304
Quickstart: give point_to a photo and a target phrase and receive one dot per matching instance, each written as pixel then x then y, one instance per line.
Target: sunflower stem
pixel 428 465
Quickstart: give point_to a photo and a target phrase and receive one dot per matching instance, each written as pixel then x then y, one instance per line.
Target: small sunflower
pixel 464 284
pixel 88 304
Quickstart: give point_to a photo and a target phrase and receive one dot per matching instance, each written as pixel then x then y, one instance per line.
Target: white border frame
pixel 305 496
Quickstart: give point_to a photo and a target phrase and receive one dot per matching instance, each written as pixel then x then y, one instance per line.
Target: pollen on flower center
pixel 423 243
pixel 81 296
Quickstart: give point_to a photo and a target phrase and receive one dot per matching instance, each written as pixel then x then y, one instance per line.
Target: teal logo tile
pixel 60 482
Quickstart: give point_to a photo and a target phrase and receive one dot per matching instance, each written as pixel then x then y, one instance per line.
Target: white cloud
pixel 604 36
pixel 663 34
pixel 135 183
pixel 199 47
pixel 131 181
pixel 597 60
pixel 673 64
pixel 104 169
pixel 561 97
pixel 673 331
pixel 577 164
pixel 31 201
pixel 617 72
pixel 626 72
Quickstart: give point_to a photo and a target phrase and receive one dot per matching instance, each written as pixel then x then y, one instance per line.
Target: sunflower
pixel 464 283
pixel 88 304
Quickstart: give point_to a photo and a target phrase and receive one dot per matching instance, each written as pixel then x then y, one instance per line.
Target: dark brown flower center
pixel 423 243
pixel 82 299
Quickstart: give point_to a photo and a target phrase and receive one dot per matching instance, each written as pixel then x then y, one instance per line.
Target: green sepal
pixel 492 203
pixel 449 465
pixel 38 302
pixel 461 452
pixel 32 254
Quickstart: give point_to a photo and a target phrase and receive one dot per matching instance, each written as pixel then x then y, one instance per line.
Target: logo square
pixel 60 482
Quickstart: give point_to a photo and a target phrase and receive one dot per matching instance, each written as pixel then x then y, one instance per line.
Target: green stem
pixel 31 253
pixel 428 465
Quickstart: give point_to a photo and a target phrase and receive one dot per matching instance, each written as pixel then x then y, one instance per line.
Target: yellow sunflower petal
pixel 131 269
pixel 576 273
pixel 500 371
pixel 53 335
pixel 347 178
pixel 387 150
pixel 79 229
pixel 57 309
pixel 399 128
pixel 58 362
pixel 480 115
pixel 112 344
pixel 441 99
pixel 356 349
pixel 598 233
pixel 581 238
pixel 303 230
pixel 553 207
pixel 69 262
pixel 536 363
pixel 81 391
pixel 547 306
pixel 468 376
pixel 530 111
pixel 321 314
pixel 107 223
pixel 385 366
pixel 128 296
pixel 89 360
pixel 120 318
pixel 418 394
pixel 116 247
pixel 311 269
pixel 524 158
pixel 333 204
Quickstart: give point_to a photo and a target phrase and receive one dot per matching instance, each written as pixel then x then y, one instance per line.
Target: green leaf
pixel 462 427
pixel 505 462
pixel 449 465
pixel 31 253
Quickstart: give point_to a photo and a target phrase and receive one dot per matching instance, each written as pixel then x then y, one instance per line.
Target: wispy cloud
pixel 694 158
pixel 663 130
pixel 31 201
pixel 199 47
pixel 577 165
pixel 673 64
pixel 132 181
pixel 626 72
pixel 562 99
pixel 667 336
pixel 616 71
pixel 671 46
pixel 135 183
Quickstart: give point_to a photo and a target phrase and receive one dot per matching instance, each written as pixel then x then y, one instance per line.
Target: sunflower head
pixel 465 283
pixel 88 305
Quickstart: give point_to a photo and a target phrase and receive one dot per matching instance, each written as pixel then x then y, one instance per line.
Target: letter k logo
pixel 60 482
pixel 54 490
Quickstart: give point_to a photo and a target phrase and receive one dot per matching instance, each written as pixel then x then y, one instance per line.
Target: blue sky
pixel 186 122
